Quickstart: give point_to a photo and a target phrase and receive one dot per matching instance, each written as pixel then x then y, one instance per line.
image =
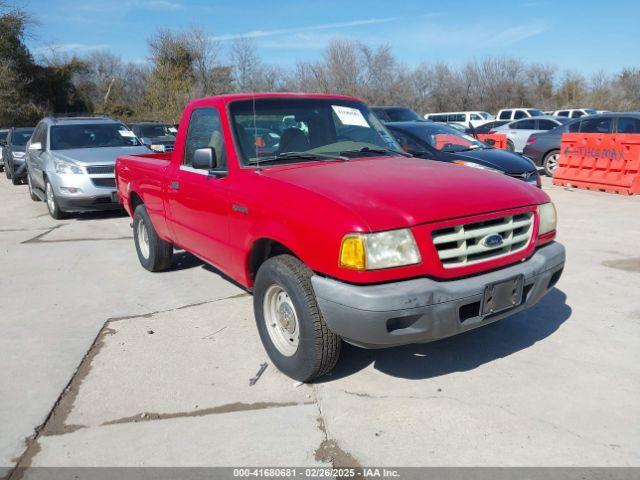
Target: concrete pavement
pixel 158 365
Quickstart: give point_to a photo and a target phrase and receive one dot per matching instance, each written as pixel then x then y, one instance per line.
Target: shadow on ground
pixel 462 352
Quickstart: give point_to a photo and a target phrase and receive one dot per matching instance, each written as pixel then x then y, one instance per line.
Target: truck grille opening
pixel 470 243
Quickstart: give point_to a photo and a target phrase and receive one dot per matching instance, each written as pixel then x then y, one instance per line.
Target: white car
pixel 517 113
pixel 518 132
pixel 574 112
pixel 475 118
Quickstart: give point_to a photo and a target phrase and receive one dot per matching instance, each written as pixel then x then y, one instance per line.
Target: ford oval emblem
pixel 493 240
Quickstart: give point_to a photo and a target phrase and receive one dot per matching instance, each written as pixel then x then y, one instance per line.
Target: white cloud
pixel 518 33
pixel 296 30
pixel 67 48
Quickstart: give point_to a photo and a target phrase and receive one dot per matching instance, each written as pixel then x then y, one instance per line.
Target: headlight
pixel 548 218
pixel 158 147
pixel 476 165
pixel 373 251
pixel 64 167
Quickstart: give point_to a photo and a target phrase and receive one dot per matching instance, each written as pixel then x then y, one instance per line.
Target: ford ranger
pixel 339 234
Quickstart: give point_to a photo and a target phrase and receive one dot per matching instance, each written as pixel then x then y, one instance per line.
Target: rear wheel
pixel 154 253
pixel 289 322
pixel 15 180
pixel 52 202
pixel 550 162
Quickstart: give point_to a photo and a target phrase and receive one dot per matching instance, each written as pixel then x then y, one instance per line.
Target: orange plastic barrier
pixel 604 162
pixel 499 139
pixel 443 139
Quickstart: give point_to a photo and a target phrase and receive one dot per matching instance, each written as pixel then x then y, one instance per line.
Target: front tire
pixel 52 202
pixel 32 195
pixel 550 162
pixel 154 253
pixel 289 322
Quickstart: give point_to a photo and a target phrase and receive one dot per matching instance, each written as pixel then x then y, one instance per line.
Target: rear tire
pixel 550 162
pixel 154 253
pixel 510 146
pixel 16 181
pixel 52 202
pixel 289 322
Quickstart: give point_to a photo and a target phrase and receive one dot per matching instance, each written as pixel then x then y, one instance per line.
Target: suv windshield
pixel 21 137
pixel 534 112
pixel 97 135
pixel 154 131
pixel 302 129
pixel 447 139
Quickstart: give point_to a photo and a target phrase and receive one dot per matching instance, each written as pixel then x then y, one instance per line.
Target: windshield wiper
pixel 298 155
pixel 375 150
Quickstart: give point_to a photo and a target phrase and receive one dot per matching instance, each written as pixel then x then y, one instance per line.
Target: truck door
pixel 198 202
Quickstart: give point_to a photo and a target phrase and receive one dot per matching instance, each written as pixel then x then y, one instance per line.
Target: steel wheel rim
pixel 552 162
pixel 51 204
pixel 281 320
pixel 143 239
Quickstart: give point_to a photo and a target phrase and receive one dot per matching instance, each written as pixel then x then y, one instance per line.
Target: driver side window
pixel 205 130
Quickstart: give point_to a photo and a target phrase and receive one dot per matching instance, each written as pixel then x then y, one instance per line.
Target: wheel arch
pixel 262 250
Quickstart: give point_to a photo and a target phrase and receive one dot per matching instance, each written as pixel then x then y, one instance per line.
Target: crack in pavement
pixel 55 422
pixel 329 451
pixel 226 408
pixel 37 238
pixel 182 307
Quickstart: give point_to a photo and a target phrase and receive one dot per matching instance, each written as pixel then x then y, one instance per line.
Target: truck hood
pixel 397 192
pixel 97 156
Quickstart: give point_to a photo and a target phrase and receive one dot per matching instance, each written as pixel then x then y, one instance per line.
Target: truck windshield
pixel 67 137
pixel 296 129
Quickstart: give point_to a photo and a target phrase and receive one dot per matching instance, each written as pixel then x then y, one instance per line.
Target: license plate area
pixel 502 295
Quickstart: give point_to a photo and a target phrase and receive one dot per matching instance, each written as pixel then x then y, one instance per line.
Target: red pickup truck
pixel 336 231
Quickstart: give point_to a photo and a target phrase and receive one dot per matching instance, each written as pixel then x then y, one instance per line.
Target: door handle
pixel 174 185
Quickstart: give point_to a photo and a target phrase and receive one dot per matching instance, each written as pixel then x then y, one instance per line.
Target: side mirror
pixel 204 159
pixel 35 147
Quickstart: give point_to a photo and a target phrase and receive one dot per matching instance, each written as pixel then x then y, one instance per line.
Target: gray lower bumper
pixel 422 310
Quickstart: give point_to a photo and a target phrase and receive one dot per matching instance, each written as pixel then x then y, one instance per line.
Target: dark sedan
pixel 13 153
pixel 396 114
pixel 436 141
pixel 544 147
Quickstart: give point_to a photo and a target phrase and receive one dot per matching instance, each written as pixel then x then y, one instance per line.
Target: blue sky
pixel 585 36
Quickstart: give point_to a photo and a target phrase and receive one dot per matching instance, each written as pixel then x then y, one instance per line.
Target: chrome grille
pixel 468 243
pixel 100 169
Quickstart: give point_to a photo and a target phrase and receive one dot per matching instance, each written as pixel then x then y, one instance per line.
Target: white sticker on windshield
pixel 173 129
pixel 350 116
pixel 126 133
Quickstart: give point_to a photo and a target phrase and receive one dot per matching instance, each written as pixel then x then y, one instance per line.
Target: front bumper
pixel 422 310
pixel 79 192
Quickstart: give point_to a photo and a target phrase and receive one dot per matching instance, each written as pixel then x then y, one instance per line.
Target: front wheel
pixel 289 322
pixel 154 253
pixel 32 195
pixel 550 162
pixel 52 202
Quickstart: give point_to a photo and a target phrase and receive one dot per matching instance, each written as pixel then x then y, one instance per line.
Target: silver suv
pixel 70 162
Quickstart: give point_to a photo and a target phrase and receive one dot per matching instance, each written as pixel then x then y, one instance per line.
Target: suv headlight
pixel 548 218
pixel 64 167
pixel 476 165
pixel 373 251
